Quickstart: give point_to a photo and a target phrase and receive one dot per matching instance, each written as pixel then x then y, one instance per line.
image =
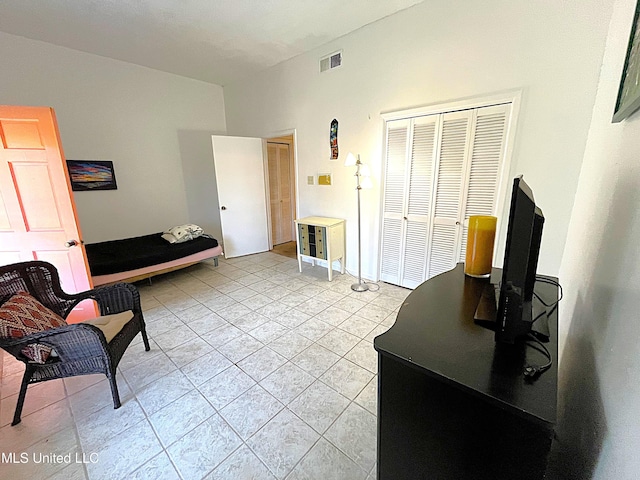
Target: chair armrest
pixel 115 298
pixel 71 342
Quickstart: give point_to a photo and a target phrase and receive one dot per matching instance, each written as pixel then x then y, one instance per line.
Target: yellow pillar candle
pixel 480 239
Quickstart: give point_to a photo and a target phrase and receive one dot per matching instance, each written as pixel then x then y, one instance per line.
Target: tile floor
pixel 255 372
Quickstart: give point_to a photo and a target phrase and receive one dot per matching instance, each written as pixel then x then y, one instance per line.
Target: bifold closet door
pixel 411 148
pixel 439 170
pixel 280 197
pixel 395 179
pixel 446 227
pixel 469 164
pixel 483 174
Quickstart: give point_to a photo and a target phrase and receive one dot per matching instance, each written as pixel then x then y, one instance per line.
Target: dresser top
pixel 435 333
pixel 320 221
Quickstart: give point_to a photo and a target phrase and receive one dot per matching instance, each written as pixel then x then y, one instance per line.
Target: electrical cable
pixel 532 372
pixel 550 282
pixel 371 284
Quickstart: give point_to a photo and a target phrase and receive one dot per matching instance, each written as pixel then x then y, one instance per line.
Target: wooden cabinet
pixel 453 404
pixel 321 238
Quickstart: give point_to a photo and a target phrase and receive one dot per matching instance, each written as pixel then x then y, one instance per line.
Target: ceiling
pixel 217 41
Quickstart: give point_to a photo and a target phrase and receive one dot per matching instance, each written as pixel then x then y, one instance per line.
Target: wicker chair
pixel 81 348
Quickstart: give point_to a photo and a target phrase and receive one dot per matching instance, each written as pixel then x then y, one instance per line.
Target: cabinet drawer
pixel 321 241
pixel 303 239
pixel 312 240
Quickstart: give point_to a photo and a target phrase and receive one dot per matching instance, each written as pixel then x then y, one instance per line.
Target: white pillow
pixel 169 238
pixel 183 233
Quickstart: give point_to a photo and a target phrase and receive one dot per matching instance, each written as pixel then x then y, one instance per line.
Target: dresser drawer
pixel 312 240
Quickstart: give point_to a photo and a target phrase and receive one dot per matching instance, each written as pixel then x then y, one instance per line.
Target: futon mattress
pixel 139 252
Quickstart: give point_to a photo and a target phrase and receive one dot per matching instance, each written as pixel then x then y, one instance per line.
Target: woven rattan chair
pixel 81 348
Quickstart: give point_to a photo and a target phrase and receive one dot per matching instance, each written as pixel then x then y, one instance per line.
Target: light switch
pixel 310 180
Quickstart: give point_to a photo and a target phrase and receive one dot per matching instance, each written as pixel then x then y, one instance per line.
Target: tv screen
pixel 524 233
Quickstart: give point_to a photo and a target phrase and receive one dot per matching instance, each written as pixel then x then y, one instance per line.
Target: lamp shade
pixel 366 182
pixel 351 160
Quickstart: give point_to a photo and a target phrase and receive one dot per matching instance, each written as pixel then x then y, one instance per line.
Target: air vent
pixel 331 61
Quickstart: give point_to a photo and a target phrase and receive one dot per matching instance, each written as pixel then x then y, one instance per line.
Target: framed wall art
pixel 629 93
pixel 324 179
pixel 91 175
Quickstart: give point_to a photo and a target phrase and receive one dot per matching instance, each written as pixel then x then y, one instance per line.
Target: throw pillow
pixel 23 315
pixel 183 233
pixel 169 238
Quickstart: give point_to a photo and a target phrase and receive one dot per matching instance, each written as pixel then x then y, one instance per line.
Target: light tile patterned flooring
pixel 255 371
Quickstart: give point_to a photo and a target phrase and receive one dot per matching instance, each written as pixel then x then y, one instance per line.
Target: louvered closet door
pixel 440 169
pixel 280 201
pixel 483 173
pixel 395 175
pixel 446 230
pixel 274 192
pixel 418 208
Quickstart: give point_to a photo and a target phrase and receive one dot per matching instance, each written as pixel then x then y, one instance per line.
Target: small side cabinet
pixel 321 238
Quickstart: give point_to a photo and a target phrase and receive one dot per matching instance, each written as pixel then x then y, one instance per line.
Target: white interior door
pixel 38 219
pixel 239 165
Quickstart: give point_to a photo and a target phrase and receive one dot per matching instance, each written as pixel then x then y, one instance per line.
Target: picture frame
pixel 89 175
pixel 628 100
pixel 324 178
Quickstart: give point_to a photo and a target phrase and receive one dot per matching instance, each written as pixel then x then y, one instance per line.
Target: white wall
pixel 200 180
pixel 436 52
pixel 111 110
pixel 600 272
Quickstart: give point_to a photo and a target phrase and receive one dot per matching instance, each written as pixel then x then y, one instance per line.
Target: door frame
pixel 513 97
pixel 294 151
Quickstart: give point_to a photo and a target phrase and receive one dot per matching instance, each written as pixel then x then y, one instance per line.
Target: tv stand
pixel 487 309
pixel 487 312
pixel 453 404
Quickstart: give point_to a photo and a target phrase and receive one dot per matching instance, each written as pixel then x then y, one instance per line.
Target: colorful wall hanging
pixel 91 175
pixel 333 139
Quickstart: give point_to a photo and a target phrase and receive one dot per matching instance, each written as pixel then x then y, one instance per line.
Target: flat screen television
pixel 524 233
pixel 513 318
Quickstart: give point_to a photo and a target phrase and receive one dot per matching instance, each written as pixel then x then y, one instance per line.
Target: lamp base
pixel 359 287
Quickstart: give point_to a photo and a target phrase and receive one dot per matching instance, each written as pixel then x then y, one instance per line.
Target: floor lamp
pixel 362 172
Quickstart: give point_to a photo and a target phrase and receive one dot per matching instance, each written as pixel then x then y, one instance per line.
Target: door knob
pixel 71 243
pixel 223 208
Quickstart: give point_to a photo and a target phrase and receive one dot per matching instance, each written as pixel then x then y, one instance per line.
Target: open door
pixel 38 219
pixel 239 166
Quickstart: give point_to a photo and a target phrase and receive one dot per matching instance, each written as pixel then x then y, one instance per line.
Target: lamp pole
pixel 360 286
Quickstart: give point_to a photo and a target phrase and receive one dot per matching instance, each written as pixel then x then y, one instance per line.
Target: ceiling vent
pixel 331 61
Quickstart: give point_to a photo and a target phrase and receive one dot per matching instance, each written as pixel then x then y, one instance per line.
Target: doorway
pixel 282 194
